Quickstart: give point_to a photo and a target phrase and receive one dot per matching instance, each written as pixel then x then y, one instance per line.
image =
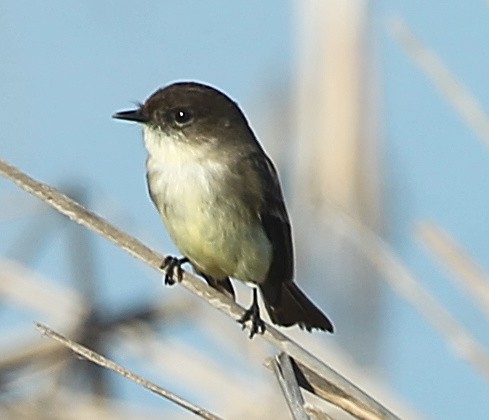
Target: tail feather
pixel 294 307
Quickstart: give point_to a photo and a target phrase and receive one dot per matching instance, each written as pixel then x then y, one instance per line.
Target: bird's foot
pixel 253 314
pixel 170 264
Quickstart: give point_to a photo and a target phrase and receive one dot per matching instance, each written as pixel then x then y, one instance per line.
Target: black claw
pixel 169 265
pixel 253 314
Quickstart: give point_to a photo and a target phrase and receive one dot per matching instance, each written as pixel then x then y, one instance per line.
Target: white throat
pixel 176 166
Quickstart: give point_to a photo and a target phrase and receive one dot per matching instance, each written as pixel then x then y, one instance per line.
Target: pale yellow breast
pixel 218 235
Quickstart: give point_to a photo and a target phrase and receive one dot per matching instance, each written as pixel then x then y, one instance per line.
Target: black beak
pixel 133 115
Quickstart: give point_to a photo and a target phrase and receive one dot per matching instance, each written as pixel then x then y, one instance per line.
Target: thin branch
pixel 106 363
pixel 470 275
pixel 27 352
pixel 165 357
pixel 284 372
pixel 454 91
pixel 357 402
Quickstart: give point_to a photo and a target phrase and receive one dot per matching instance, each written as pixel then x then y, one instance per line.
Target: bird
pixel 220 198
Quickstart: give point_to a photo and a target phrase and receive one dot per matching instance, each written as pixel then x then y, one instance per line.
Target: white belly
pixel 220 237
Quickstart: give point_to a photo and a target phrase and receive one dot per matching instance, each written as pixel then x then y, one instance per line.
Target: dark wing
pixel 275 220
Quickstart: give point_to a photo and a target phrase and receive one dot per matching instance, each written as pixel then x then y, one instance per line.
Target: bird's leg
pixel 253 314
pixel 169 265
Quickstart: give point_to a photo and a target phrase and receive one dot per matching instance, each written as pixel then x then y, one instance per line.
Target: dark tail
pixel 294 307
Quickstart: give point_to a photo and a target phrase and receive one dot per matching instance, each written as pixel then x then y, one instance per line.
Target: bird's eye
pixel 182 117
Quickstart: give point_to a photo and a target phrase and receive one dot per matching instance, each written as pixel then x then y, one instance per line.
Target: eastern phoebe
pixel 219 196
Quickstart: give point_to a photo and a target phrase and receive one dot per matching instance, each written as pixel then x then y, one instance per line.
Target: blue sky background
pixel 68 66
